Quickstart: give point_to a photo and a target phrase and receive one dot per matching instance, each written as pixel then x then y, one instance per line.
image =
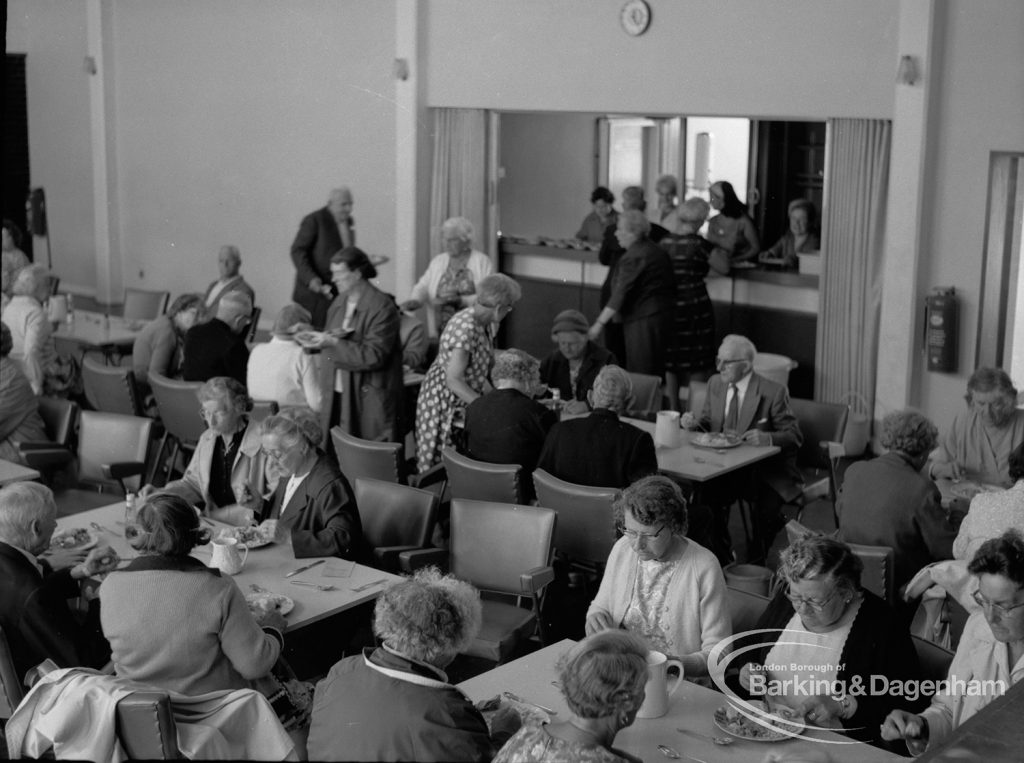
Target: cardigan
pixel 697 613
pixel 479 266
pixel 176 624
pixel 280 370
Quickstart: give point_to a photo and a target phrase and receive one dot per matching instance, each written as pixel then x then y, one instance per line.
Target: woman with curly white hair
pixel 394 702
pixel 313 502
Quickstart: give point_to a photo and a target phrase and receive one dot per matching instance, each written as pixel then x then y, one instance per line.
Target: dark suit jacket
pixel 554 371
pixel 507 427
pixel 765 399
pixel 886 502
pixel 598 450
pixel 213 349
pixel 645 282
pixel 370 359
pixel 321 515
pixel 316 242
pixel 37 622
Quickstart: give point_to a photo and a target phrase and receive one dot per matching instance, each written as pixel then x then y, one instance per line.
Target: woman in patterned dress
pixel 459 374
pixel 692 354
pixel 658 583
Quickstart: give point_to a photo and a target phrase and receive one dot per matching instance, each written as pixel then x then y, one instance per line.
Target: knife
pixel 307 567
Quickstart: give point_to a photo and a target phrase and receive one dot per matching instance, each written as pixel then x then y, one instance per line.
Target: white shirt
pixel 350 311
pixel 289 490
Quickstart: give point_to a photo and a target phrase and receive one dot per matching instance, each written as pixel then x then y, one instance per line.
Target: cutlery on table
pixel 304 568
pixel 102 529
pixel 257 588
pixel 371 584
pixel 721 741
pixel 700 460
pixel 668 752
pixel 317 586
pixel 517 698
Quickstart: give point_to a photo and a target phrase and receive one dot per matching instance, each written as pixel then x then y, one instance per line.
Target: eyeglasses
pixel 722 362
pixel 499 308
pixel 997 609
pixel 817 606
pixel 634 535
pixel 277 455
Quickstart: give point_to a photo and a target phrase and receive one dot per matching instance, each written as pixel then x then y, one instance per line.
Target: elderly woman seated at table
pixel 19 406
pixel 280 370
pixel 978 444
pixel 888 502
pixel 394 702
pixel 314 505
pixel 158 347
pixel 32 335
pixel 658 583
pixel 991 649
pixel 452 278
pixel 229 260
pixel 506 425
pixel 175 623
pixel 572 368
pixel 227 475
pixel 992 514
pixel 602 679
pixel 827 631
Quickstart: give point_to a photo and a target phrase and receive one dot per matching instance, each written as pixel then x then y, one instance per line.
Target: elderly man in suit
pixel 34 593
pixel 229 260
pixel 756 409
pixel 217 347
pixel 321 234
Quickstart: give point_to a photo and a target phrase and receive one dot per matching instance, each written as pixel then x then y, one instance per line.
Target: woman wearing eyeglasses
pixel 991 648
pixel 458 375
pixel 658 583
pixel 829 637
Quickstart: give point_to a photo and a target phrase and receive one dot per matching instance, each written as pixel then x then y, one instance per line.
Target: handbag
pixel 291 698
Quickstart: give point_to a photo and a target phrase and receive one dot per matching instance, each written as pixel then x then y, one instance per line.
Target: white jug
pixel 226 557
pixel 666 430
pixel 657 692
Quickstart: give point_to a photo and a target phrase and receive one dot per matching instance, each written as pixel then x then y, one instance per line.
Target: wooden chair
pixel 480 481
pixel 395 518
pixel 145 726
pixel 111 388
pixel 646 396
pixel 143 305
pixel 878 573
pixel 11 688
pixel 586 528
pixel 368 458
pixel 745 608
pixel 823 426
pixel 512 572
pixel 179 411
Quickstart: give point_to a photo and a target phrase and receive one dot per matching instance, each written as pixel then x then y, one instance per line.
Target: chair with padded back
pixel 144 305
pixel 823 426
pixel 586 527
pixel 11 688
pixel 179 411
pixel 395 518
pixel 646 396
pixel 745 608
pixel 517 568
pixel 367 458
pixel 878 573
pixel 696 394
pixel 934 659
pixel 110 388
pixel 60 420
pixel 145 726
pixel 481 481
pixel 261 409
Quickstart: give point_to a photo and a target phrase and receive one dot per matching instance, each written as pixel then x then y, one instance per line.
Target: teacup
pixel 656 689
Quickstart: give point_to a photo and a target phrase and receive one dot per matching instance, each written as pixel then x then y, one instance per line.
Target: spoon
pixel 101 528
pixel 668 752
pixel 721 741
pixel 317 586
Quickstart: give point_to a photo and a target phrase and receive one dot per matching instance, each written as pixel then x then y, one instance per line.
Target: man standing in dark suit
pixel 217 347
pixel 756 409
pixel 600 450
pixel 34 611
pixel 321 234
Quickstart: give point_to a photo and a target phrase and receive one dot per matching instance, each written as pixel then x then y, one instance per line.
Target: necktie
pixel 732 415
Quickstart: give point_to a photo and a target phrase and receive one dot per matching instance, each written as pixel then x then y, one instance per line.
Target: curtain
pixel 850 290
pixel 459 178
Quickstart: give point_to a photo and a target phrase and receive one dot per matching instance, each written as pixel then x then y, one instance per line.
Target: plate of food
pixel 967 489
pixel 265 602
pixel 732 721
pixel 715 440
pixel 78 539
pixel 251 537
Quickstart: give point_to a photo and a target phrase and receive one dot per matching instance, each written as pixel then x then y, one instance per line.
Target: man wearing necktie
pixel 757 410
pixel 321 234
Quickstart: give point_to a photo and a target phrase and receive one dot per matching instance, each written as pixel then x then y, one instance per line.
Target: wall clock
pixel 635 17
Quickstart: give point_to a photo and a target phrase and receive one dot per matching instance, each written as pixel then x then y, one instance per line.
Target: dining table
pixel 688 728
pixel 266 568
pixel 110 334
pixel 12 472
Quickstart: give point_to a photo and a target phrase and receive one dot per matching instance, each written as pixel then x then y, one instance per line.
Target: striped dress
pixel 693 346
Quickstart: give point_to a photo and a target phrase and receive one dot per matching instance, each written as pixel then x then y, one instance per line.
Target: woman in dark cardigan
pixel 835 632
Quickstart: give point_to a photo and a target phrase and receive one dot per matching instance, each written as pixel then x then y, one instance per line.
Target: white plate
pixel 278 601
pixel 729 720
pixel 714 441
pixel 250 537
pixel 89 539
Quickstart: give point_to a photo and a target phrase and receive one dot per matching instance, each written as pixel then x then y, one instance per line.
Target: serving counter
pixel 777 310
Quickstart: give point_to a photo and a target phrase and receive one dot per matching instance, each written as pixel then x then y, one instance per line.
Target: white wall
pixel 784 59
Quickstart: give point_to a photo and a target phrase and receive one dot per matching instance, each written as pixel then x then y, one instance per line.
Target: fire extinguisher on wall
pixel 941 329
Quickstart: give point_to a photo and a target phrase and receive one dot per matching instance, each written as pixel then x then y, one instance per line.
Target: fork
pixel 371 584
pixel 103 529
pixel 317 586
